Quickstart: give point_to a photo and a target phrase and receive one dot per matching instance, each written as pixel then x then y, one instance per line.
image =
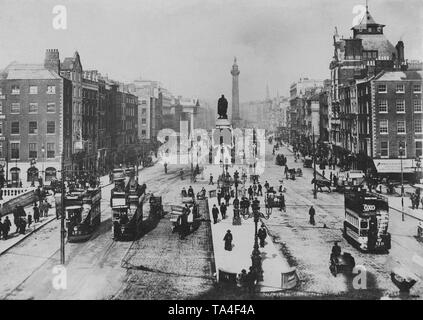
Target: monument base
pixel 223 124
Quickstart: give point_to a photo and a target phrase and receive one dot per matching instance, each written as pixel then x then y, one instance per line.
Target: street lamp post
pixel 401 149
pixel 314 167
pixel 42 166
pixel 255 256
pixel 62 215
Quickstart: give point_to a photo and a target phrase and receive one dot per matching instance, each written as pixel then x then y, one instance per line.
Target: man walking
pixel 211 180
pixel 262 234
pixel 6 228
pixel 312 213
pixel 36 213
pixel 259 190
pixel 215 213
pixel 223 210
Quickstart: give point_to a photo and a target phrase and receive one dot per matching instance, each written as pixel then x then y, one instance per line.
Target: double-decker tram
pixel 366 221
pixel 127 199
pixel 83 213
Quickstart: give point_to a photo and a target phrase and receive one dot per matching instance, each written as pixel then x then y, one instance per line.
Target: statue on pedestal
pixel 222 107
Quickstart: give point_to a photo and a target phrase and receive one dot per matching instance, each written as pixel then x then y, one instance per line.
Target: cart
pixel 308 162
pixel 344 263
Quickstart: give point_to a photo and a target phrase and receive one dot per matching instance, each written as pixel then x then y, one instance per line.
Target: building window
pixel 143 132
pixel 417 105
pixel 14 148
pixel 384 149
pixel 15 108
pixel 33 127
pixel 143 121
pixel 419 148
pixel 32 150
pixel 417 88
pixel 401 126
pixel 400 88
pixel 383 127
pixel 418 126
pixel 51 89
pixel 383 106
pixel 1 151
pixel 50 150
pixel 33 108
pixel 381 88
pixel 51 127
pixel 16 89
pixel 33 89
pixel 400 106
pixel 51 107
pixel 15 127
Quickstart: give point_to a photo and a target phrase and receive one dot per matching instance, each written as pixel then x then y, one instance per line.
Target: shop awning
pixel 394 165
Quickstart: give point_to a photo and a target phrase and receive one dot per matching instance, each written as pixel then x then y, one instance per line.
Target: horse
pixel 322 184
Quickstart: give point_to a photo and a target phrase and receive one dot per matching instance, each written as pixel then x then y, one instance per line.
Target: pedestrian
pixel 165 167
pixel 259 190
pixel 22 225
pixel 228 240
pixel 29 221
pixel 36 213
pixel 251 280
pixel 223 210
pixel 1 228
pixel 312 213
pixel 323 173
pixel 262 234
pixel 250 193
pixel 6 228
pixel 286 172
pixel 190 192
pixel 242 279
pixel 330 176
pixel 42 208
pixel 211 180
pixel 413 201
pixel 255 188
pixel 215 213
pixel 282 202
pixel 219 196
pixel 227 198
pixel 266 185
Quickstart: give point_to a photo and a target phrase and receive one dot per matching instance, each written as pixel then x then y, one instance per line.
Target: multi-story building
pixel 396 120
pixel 71 69
pixel 34 103
pixel 299 92
pixel 90 119
pixel 355 63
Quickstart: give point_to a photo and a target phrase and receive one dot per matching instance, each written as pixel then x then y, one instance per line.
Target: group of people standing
pixel 21 219
pixel 416 199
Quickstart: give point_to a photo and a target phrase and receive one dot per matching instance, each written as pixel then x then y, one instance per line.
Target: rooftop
pixel 18 71
pixel 400 75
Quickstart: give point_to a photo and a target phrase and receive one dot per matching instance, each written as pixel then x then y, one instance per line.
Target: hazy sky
pixel 189 45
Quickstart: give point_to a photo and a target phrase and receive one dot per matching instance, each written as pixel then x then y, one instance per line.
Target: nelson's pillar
pixel 236 120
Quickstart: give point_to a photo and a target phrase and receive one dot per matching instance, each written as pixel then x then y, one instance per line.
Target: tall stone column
pixel 236 120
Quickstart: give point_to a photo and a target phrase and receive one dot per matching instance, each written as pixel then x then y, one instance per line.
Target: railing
pixel 10 193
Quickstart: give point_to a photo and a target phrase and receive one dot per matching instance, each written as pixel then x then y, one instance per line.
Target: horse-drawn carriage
pixel 308 162
pixel 177 211
pixel 273 201
pixel 321 182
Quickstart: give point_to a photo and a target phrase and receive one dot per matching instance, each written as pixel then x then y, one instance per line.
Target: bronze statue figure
pixel 222 107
